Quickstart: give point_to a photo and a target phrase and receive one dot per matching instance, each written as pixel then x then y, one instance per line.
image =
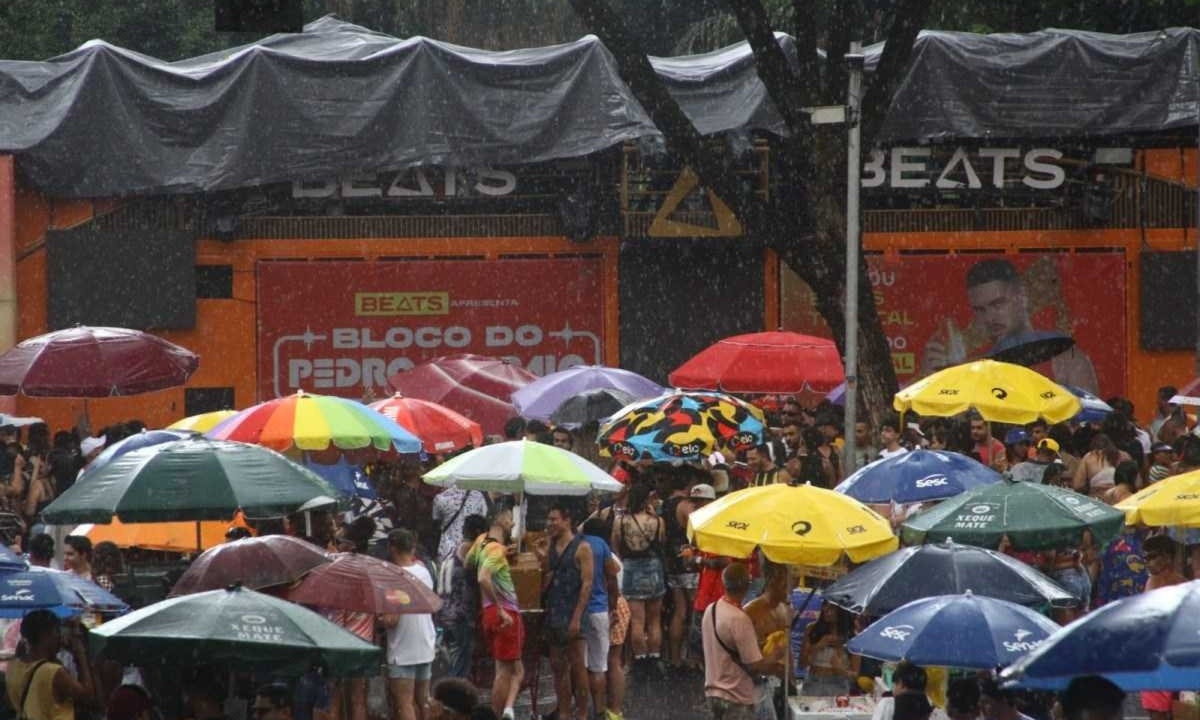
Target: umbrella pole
pixel 787 661
pixel 199 541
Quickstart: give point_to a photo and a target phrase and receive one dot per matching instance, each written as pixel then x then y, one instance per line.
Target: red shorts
pixel 503 643
pixel 1157 700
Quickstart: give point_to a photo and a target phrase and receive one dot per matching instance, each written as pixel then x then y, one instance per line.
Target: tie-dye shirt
pixel 492 555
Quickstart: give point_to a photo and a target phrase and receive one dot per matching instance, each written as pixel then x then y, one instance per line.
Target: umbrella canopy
pixel 1174 501
pixel 253 562
pixel 522 466
pixel 137 441
pixel 347 479
pixel 682 426
pixel 176 537
pixel 542 397
pixel 477 386
pixel 361 583
pixel 1143 642
pixel 961 631
pixel 1094 409
pixel 765 362
pixel 912 573
pixel 440 429
pixel 917 476
pixel 590 406
pixel 237 629
pixel 63 593
pixel 94 362
pixel 192 479
pixel 1034 516
pixel 1000 392
pixel 326 425
pixel 1032 347
pixel 203 422
pixel 1188 394
pixel 801 524
pixel 9 560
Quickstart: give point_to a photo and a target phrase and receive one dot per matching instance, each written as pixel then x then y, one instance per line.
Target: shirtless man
pixel 771 611
pixel 1159 552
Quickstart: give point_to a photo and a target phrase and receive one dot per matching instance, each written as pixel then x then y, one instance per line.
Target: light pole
pixel 854 59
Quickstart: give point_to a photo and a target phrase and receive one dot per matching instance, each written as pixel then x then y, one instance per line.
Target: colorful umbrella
pixel 324 425
pixel 193 479
pixel 797 525
pixel 361 583
pixel 999 392
pixel 959 631
pixel 176 537
pixel 477 386
pixel 590 406
pixel 765 362
pixel 1174 501
pixel 94 362
pixel 237 630
pixel 912 573
pixel 917 476
pixel 441 429
pixel 682 426
pixel 542 397
pixel 137 441
pixel 522 466
pixel 1034 516
pixel 254 562
pixel 63 593
pixel 203 422
pixel 1143 642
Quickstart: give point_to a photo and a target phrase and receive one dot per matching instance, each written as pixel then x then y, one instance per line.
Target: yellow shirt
pixel 40 704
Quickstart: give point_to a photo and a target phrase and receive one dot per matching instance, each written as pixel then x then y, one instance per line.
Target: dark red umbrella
pixel 766 362
pixel 361 583
pixel 476 386
pixel 254 562
pixel 94 362
pixel 441 429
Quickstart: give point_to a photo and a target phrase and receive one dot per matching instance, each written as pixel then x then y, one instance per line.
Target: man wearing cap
pixel 1034 470
pixel 1017 441
pixel 1162 458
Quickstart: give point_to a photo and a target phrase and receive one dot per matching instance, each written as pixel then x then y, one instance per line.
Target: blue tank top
pixel 600 552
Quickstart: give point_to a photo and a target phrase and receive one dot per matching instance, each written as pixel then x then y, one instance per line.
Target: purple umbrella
pixel 540 398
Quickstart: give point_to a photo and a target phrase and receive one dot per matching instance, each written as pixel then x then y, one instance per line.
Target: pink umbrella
pixel 476 386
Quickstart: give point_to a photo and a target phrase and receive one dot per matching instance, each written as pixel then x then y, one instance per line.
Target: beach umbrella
pixel 361 583
pixel 590 406
pixel 1033 516
pixel 764 362
pixel 917 476
pixel 1173 501
pixel 173 537
pixel 1143 642
pixel 137 441
pixel 253 562
pixel 522 466
pixel 237 630
pixel 477 386
pixel 998 391
pixel 682 426
pixel 912 573
pixel 440 429
pixel 960 631
pixel 65 594
pixel 203 422
pixel 542 397
pixel 797 525
pixel 1094 409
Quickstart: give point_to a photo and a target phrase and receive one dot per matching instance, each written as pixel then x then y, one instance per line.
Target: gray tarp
pixel 339 99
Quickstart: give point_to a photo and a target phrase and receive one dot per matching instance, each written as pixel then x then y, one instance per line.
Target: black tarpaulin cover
pixel 339 99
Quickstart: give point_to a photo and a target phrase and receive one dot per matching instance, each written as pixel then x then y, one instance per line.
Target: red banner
pixel 342 328
pixel 944 309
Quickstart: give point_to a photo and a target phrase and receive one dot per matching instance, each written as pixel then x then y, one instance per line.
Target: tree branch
pixel 808 74
pixel 907 20
pixel 772 64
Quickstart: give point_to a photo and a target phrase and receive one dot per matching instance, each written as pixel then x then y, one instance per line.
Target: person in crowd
pixel 1161 459
pixel 831 668
pixel 350 695
pixel 864 444
pixel 77 556
pixel 732 657
pixel 1056 474
pixel 451 508
pixel 567 578
pixel 272 702
pixel 822 464
pixel 988 449
pixel 537 431
pixel 597 626
pixel 962 699
pixel 1017 442
pixel 1122 568
pixel 907 679
pixel 618 625
pixel 410 638
pixel 889 437
pixel 998 703
pixel 460 596
pixel 129 702
pixel 237 532
pixel 41 550
pixel 1160 553
pixel 1069 568
pixel 1092 697
pixel 1024 467
pixel 772 612
pixel 1125 482
pixel 457 699
pixel 1094 476
pixel 1123 433
pixel 562 438
pixel 792 434
pixel 638 536
pixel 912 706
pixel 40 492
pixel 1167 412
pixel 682 574
pixel 108 563
pixel 503 629
pixel 38 686
pixel 764 468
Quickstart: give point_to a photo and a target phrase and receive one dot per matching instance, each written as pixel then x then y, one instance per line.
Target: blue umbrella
pixel 917 476
pixel 962 631
pixel 137 441
pixel 9 560
pixel 540 398
pixel 1143 642
pixel 348 479
pixel 1094 409
pixel 63 593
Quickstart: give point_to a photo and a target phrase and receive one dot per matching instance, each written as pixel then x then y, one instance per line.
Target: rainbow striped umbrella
pixel 325 426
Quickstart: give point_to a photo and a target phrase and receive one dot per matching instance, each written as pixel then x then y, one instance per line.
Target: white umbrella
pixel 522 466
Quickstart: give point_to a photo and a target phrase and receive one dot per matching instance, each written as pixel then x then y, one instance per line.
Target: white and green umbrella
pixel 522 466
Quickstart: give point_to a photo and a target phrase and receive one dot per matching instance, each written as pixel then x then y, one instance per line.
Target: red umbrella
pixel 477 386
pixel 767 362
pixel 94 362
pixel 254 562
pixel 361 583
pixel 440 428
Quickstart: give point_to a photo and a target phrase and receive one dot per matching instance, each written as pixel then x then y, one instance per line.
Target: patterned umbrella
pixel 203 422
pixel 682 426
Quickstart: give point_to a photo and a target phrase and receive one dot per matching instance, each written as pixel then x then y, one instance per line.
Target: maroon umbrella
pixel 476 386
pixel 361 583
pixel 94 362
pixel 254 562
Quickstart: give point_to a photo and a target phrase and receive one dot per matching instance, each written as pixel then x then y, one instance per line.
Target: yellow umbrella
pixel 999 391
pixel 1173 501
pixel 794 525
pixel 203 422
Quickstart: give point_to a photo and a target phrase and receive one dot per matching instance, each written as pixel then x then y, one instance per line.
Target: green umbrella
pixel 1035 517
pixel 236 629
pixel 191 479
pixel 522 466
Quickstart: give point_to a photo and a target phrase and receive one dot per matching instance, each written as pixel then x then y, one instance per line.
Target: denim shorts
pixel 643 579
pixel 420 671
